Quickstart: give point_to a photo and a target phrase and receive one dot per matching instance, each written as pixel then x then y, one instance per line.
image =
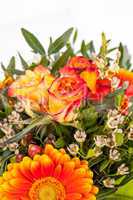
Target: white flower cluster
pixel 108 141
pixel 7 125
pixel 114 119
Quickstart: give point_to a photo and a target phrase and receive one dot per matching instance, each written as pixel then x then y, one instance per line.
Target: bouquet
pixel 66 122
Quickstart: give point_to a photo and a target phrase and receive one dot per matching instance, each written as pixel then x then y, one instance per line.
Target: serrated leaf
pixel 33 42
pixel 23 62
pixel 60 42
pixel 61 61
pixel 125 58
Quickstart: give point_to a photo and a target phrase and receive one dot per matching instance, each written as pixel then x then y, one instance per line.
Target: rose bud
pixel 33 150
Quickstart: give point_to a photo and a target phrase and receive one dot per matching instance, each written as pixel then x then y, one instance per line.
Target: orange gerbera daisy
pixel 50 176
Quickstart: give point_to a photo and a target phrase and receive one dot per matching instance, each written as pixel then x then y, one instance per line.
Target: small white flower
pixel 111 141
pixel 109 182
pixel 114 67
pixel 130 134
pixel 13 146
pixel 113 113
pixel 111 138
pixel 125 84
pixel 19 106
pixel 114 121
pixel 114 154
pixel 97 151
pixel 115 82
pixel 80 136
pixel 100 140
pixel 122 169
pixel 14 117
pixel 7 129
pixel 73 149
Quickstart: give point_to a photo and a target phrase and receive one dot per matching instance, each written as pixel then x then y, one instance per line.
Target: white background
pixel 53 17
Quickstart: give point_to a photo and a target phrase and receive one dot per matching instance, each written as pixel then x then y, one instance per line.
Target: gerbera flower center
pixel 47 188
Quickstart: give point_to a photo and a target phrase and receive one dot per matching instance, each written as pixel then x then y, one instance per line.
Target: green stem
pixel 103 195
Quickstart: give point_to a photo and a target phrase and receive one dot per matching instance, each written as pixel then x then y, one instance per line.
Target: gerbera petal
pixel 53 173
pixel 73 196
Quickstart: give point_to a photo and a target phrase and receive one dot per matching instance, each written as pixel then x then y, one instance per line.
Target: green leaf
pixel 126 191
pixel 19 72
pixel 105 193
pixel 104 165
pixel 113 49
pixel 118 100
pixel 119 138
pixel 125 58
pixel 75 36
pixel 4 162
pixel 44 61
pixel 3 67
pixel 90 47
pixel 60 143
pixel 24 63
pixel 7 108
pixel 117 197
pixel 2 115
pixel 60 42
pixel 61 61
pixel 90 153
pixel 103 49
pixel 11 67
pixel 84 49
pixel 33 42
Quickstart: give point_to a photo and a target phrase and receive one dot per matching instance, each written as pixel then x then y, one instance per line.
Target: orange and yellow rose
pixel 33 86
pixel 65 95
pixel 60 96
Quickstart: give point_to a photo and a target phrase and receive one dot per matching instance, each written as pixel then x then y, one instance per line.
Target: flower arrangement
pixel 66 122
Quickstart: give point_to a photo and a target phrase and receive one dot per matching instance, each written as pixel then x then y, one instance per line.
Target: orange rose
pixel 89 72
pixel 33 86
pixel 65 95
